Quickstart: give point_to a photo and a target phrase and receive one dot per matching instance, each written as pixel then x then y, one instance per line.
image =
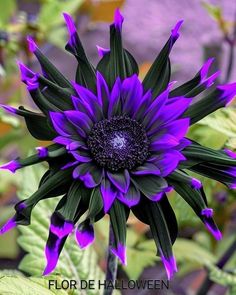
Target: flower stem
pixel 220 264
pixel 111 271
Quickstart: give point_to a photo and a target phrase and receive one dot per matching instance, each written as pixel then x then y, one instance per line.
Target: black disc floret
pixel 118 143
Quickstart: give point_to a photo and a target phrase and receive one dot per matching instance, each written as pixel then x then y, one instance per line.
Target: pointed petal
pixel 11 166
pixel 120 252
pixel 109 194
pixel 61 125
pixel 170 266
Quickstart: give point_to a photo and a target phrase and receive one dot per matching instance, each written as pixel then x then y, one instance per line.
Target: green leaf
pixel 19 285
pixel 189 251
pixel 222 277
pixel 73 263
pixel 7 9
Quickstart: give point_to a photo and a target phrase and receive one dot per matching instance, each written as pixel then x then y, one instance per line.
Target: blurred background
pixel 209 30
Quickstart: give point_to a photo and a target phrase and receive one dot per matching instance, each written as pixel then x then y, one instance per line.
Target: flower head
pixel 119 144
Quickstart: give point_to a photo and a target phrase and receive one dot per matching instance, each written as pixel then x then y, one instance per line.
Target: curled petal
pixel 102 51
pixel 109 194
pixel 118 19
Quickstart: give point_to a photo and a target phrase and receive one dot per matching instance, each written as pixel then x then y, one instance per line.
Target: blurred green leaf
pixel 189 251
pixel 74 263
pixel 19 285
pixel 140 257
pixel 222 277
pixel 7 9
pixel 50 12
pixel 213 10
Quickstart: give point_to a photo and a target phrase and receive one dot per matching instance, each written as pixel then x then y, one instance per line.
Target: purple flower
pixel 119 145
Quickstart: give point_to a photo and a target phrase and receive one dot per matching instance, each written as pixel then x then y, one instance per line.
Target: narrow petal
pixel 173 110
pixel 168 162
pixel 120 179
pixel 61 124
pixel 79 120
pixel 109 194
pixel 31 44
pixel 163 142
pixel 81 156
pixel 84 235
pixel 120 252
pixel 103 94
pixel 175 30
pixel 178 128
pixel 146 168
pixel 10 224
pixel 118 19
pixel 115 99
pixel 131 93
pixel 170 266
pixel 11 166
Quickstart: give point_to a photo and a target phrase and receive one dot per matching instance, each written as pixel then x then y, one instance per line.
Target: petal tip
pixel 118 19
pixel 31 44
pixel 12 166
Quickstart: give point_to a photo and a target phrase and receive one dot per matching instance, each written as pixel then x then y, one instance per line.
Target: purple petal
pixel 102 51
pixel 173 110
pixel 11 223
pixel 153 111
pixel 120 252
pixel 61 124
pixel 11 166
pixel 31 44
pixel 145 102
pixel 195 183
pixel 146 168
pixel 174 31
pixel 131 94
pixel 26 73
pixel 84 236
pixel 42 152
pixel 131 198
pixel 168 162
pixel 89 173
pixel 228 92
pixel 52 255
pixel 109 194
pixel 81 156
pixel 183 143
pixel 103 93
pixel 170 266
pixel 205 68
pixel 70 24
pixel 80 120
pixel 230 153
pixel 177 128
pixel 121 180
pixel 118 19
pixel 163 142
pixel 213 230
pixel 68 165
pixel 9 109
pixel 207 212
pixel 62 231
pixel 115 99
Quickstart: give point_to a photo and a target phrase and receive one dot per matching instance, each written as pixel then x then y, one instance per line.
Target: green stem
pixel 111 271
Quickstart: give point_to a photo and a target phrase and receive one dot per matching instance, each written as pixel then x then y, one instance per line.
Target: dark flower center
pixel 118 143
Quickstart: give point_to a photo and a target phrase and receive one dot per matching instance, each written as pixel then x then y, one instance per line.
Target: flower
pixel 119 145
